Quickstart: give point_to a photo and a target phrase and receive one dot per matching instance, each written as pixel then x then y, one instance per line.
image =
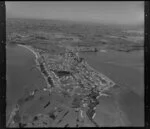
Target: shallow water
pixel 21 76
pixel 133 106
pixel 124 70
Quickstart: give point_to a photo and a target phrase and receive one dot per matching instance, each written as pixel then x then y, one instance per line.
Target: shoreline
pixel 30 49
pixel 37 56
pixel 36 60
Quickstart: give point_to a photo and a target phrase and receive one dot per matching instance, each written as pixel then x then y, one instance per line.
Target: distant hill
pixel 75 34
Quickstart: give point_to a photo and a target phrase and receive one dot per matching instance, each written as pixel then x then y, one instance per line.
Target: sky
pixel 126 12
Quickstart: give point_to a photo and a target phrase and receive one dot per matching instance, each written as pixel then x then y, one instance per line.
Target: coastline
pixel 30 49
pixel 37 55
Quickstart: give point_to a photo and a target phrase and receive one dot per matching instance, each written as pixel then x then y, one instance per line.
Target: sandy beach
pixel 37 56
pixel 31 49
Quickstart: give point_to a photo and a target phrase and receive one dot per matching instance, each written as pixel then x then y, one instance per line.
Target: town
pixel 70 75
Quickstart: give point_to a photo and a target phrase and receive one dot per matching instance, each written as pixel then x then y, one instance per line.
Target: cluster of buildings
pixel 73 75
pixel 71 70
pixel 70 75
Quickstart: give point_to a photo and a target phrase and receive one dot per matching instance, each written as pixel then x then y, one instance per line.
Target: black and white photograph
pixel 74 64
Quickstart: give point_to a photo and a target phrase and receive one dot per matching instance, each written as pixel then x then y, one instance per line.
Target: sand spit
pixel 37 55
pixel 31 49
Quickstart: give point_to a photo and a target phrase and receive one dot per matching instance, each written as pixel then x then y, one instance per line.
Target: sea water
pixel 127 71
pixel 21 74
